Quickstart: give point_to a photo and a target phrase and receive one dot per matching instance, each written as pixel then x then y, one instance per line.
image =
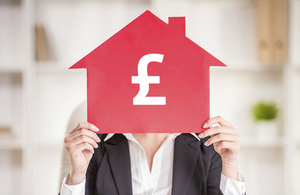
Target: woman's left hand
pixel 226 142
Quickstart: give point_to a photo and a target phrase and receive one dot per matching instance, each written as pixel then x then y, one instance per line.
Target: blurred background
pixel 258 92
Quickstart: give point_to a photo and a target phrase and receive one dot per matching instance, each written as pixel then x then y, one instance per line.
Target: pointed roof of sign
pixel 150 21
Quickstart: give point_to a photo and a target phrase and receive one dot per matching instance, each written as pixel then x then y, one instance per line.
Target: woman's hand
pixel 226 142
pixel 80 144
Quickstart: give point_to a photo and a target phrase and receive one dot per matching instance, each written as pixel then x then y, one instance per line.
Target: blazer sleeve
pixel 214 173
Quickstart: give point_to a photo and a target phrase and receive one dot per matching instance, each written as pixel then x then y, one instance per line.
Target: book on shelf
pixel 272 29
pixel 43 46
pixel 5 131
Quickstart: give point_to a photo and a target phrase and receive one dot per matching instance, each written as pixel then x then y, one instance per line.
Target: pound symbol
pixel 144 80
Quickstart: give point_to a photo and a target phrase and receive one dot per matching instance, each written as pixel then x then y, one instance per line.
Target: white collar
pixel 128 134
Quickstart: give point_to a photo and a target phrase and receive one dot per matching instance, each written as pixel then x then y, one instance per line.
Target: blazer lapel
pixel 186 152
pixel 119 159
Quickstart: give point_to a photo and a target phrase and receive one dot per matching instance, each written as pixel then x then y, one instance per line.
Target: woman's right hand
pixel 80 144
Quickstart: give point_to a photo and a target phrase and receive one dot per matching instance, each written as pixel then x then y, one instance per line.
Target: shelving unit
pixel 38 98
pixel 12 96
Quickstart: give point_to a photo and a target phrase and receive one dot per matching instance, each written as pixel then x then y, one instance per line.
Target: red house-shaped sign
pixel 148 78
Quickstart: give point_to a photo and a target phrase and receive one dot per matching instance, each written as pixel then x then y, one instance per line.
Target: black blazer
pixel 196 169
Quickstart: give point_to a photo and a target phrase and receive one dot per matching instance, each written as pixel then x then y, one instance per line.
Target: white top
pixel 159 180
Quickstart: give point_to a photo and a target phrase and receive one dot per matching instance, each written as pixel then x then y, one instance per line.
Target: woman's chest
pixel 159 179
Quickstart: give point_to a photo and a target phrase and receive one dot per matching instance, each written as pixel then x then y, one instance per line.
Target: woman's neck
pixel 150 142
pixel 151 137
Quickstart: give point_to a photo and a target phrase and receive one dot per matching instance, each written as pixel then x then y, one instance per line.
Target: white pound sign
pixel 144 80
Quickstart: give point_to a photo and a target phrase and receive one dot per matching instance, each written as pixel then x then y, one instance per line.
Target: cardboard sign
pixel 148 78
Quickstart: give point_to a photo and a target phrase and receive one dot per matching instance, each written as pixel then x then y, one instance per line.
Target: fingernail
pixel 205 125
pixel 98 139
pixel 95 128
pixel 206 143
pixel 201 135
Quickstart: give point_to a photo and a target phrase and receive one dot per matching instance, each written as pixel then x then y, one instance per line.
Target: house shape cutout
pixel 183 83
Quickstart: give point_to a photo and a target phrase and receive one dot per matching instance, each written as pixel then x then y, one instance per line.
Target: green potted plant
pixel 265 115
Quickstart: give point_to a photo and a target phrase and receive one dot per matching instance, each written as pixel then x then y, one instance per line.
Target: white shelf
pixel 57 67
pixel 55 145
pixel 11 143
pixel 248 68
pixel 10 69
pixel 11 2
pixel 54 67
pixel 256 143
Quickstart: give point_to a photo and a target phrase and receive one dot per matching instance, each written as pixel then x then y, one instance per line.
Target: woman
pixel 154 163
